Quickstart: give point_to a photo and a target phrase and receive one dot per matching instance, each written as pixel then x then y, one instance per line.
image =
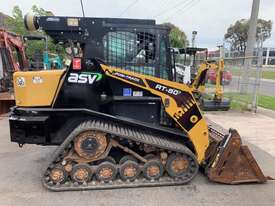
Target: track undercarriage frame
pixel 227 160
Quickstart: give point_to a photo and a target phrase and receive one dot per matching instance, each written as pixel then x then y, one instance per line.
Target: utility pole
pixel 194 34
pixel 258 73
pixel 221 49
pixel 250 46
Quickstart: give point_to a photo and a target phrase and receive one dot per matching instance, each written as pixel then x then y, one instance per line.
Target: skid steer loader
pixel 116 114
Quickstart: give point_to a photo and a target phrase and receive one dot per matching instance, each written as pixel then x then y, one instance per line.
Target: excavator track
pixel 118 133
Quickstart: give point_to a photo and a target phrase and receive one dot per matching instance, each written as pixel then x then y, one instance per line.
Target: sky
pixel 210 18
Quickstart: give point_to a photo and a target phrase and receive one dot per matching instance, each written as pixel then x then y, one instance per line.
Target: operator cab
pixel 136 45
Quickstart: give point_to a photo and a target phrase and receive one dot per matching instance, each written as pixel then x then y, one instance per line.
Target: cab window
pixel 163 60
pixel 133 51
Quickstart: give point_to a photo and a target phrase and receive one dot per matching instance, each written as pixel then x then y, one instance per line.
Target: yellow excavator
pixel 118 117
pixel 197 77
pixel 217 102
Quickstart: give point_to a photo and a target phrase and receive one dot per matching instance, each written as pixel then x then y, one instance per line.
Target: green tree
pixel 40 11
pixel 16 24
pixel 178 38
pixel 236 34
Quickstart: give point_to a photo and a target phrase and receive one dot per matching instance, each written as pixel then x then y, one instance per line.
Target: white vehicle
pixel 183 73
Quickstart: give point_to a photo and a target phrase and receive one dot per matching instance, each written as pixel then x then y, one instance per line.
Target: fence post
pixel 250 46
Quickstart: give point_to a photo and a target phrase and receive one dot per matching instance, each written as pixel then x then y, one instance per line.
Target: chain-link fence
pixel 240 72
pixel 250 79
pixel 247 81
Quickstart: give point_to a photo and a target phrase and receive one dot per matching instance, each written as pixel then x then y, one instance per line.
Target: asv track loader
pixel 116 114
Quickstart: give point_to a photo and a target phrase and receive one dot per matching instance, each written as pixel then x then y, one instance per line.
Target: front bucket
pixel 230 162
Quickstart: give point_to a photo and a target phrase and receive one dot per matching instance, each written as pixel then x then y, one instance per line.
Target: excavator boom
pixel 12 58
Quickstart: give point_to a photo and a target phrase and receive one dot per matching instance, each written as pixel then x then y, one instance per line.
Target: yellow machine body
pixel 199 133
pixel 36 88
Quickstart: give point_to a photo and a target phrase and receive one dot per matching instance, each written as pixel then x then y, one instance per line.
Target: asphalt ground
pixel 21 170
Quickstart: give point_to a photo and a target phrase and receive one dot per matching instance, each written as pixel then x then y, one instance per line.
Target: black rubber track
pixel 130 133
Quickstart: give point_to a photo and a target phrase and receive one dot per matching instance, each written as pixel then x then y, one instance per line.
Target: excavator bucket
pixel 230 162
pixel 212 105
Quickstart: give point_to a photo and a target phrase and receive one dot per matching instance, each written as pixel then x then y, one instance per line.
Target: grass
pixel 242 101
pixel 235 71
pixel 267 102
pixel 265 74
pixel 268 75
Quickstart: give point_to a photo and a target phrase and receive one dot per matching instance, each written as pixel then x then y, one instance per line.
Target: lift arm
pixel 218 152
pixel 178 101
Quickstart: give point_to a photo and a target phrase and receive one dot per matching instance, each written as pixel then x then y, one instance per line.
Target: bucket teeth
pixel 230 162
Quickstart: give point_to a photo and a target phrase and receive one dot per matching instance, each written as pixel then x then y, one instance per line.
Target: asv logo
pixel 84 77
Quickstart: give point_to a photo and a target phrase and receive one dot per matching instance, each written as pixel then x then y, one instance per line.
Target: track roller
pixel 81 173
pixel 106 172
pixel 129 170
pixel 179 165
pixel 58 175
pixel 153 169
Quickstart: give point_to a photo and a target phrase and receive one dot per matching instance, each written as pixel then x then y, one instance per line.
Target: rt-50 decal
pixel 84 77
pixel 167 89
